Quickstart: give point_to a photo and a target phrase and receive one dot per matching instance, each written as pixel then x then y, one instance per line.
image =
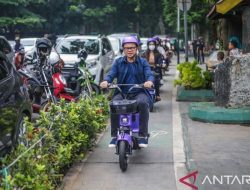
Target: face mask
pixel 151 47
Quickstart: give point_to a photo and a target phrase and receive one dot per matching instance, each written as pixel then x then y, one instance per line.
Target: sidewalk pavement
pixel 219 152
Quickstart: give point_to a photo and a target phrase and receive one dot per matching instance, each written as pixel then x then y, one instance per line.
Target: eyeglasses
pixel 129 48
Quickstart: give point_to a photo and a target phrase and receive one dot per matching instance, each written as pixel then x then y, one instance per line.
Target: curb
pixel 76 168
pixel 208 112
pixel 190 163
pixel 194 95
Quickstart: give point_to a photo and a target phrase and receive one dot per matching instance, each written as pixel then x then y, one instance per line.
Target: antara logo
pixel 192 178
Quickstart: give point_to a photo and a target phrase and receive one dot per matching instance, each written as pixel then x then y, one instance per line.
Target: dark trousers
pixel 200 56
pixel 158 76
pixel 157 85
pixel 143 108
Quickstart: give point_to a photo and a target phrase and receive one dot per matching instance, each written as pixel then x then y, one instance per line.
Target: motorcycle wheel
pixel 85 92
pixel 95 89
pixel 123 159
pixel 45 106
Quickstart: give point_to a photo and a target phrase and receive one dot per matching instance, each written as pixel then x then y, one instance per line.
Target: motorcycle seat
pixel 70 91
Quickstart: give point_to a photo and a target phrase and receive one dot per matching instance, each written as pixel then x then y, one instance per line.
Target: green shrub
pixel 69 131
pixel 192 76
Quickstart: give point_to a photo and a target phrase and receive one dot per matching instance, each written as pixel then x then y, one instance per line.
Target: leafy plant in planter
pixel 69 131
pixel 192 76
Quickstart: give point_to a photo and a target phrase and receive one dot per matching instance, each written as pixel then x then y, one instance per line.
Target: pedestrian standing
pixel 194 46
pixel 200 49
pixel 233 48
pixel 18 46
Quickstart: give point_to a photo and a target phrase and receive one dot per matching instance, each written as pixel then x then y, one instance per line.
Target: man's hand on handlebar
pixel 104 84
pixel 148 84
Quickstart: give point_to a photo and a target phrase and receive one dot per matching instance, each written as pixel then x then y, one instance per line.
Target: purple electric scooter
pixel 128 129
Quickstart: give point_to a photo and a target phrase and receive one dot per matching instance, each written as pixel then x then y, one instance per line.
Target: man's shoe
pixel 157 98
pixel 143 142
pixel 112 143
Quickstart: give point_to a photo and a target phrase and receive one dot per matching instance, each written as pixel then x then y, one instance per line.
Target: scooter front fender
pixel 124 137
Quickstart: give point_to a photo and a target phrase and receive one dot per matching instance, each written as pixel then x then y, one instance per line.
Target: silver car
pixel 28 43
pixel 100 53
pixel 116 45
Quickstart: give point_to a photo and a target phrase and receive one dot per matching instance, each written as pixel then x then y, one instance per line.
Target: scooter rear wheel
pixel 123 159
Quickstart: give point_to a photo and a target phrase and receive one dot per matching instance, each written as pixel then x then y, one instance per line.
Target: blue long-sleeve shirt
pixel 137 72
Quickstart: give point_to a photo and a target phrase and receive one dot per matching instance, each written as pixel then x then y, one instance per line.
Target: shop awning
pixel 226 5
pixel 222 7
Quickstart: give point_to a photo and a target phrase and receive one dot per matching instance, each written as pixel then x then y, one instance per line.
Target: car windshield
pixel 27 42
pixel 73 46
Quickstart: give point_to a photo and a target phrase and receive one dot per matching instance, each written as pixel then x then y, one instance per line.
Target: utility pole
pixel 186 29
pixel 178 34
pixel 184 5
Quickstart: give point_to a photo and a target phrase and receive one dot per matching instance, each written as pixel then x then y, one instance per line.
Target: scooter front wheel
pixel 123 159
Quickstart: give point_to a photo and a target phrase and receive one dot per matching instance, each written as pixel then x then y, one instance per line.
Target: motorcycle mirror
pixel 82 54
pixel 104 52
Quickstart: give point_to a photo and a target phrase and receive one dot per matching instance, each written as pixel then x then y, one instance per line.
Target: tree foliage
pixel 196 14
pixel 95 16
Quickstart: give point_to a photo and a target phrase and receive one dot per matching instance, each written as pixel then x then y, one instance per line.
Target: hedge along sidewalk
pixel 4 171
pixel 72 135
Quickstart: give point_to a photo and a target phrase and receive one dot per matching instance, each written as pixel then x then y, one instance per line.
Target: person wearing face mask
pixel 155 60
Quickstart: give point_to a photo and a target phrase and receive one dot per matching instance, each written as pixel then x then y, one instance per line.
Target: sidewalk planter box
pixel 201 95
pixel 208 112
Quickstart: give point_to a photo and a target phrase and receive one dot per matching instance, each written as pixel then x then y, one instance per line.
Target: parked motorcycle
pixel 60 89
pixel 39 80
pixel 78 78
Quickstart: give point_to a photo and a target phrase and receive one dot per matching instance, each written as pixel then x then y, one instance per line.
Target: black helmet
pixel 82 54
pixel 51 37
pixel 43 46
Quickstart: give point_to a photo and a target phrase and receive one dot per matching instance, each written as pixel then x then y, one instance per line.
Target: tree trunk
pixel 245 30
pixel 161 25
pixel 224 33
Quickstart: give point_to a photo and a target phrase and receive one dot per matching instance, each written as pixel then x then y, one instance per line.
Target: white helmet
pixel 54 58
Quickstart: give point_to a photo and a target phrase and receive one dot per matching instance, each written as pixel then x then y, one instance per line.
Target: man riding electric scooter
pixel 131 69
